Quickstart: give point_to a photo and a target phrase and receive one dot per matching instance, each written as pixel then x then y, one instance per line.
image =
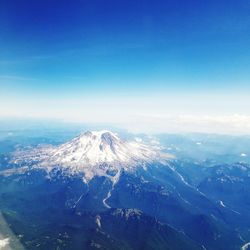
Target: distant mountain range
pixel 99 191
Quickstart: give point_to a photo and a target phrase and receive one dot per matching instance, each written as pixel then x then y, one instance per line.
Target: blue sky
pixel 124 57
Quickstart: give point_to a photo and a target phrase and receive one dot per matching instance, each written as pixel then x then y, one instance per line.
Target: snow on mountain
pixel 93 153
pixel 4 243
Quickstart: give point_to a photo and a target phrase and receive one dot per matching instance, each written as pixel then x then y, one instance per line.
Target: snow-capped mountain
pixel 100 191
pixel 100 153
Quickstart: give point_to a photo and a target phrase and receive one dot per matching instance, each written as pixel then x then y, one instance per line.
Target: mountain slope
pixel 60 188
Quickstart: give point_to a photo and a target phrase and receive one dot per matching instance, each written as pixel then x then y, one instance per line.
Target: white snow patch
pixel 76 203
pixel 246 246
pixel 137 139
pixel 115 179
pixel 98 221
pixel 222 204
pixel 243 155
pixel 155 142
pixel 4 242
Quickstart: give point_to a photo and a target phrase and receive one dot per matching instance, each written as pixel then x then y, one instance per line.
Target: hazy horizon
pixel 151 67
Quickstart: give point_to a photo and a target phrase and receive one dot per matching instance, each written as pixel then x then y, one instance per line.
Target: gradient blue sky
pixel 115 60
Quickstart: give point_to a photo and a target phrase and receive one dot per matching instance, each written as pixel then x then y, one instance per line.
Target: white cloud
pixel 228 124
pixel 152 114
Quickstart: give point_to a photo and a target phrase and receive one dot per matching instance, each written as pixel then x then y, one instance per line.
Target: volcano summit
pixel 100 153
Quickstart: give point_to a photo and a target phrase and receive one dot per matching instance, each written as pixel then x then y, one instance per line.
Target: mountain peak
pixel 97 133
pixel 92 150
pixel 104 136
